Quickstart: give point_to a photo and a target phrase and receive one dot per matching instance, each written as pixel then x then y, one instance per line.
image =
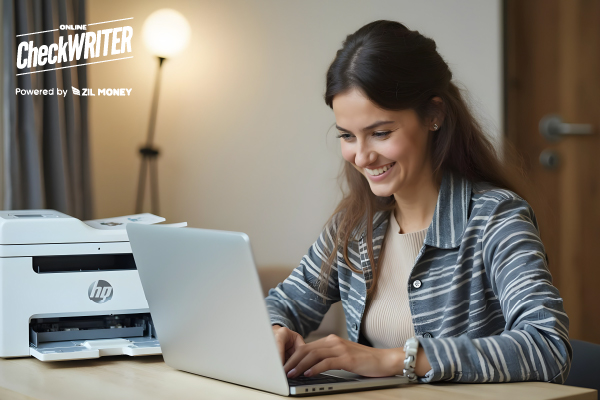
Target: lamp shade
pixel 166 32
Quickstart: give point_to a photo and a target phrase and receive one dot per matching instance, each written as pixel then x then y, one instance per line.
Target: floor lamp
pixel 166 32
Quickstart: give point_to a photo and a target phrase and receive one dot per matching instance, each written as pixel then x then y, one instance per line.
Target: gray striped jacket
pixel 481 296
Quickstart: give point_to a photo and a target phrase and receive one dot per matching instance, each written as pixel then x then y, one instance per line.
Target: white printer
pixel 68 290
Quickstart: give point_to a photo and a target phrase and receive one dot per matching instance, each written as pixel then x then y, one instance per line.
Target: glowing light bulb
pixel 166 32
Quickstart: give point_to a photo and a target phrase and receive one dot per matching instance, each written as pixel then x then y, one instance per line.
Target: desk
pixel 124 377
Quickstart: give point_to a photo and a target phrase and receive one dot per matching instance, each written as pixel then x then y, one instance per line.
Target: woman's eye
pixel 344 136
pixel 381 133
pixel 349 136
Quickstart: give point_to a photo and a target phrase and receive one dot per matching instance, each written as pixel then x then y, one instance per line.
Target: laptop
pixel 210 316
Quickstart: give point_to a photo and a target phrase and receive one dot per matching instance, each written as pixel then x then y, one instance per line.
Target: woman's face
pixel 388 147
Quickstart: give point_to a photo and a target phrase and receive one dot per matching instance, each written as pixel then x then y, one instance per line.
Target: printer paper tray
pixel 84 349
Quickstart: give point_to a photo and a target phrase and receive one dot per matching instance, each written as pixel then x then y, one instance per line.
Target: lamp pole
pixel 149 154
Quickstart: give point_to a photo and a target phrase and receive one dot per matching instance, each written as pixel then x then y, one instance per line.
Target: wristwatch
pixel 410 362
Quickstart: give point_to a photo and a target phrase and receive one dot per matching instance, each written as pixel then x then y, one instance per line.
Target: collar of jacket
pixel 449 219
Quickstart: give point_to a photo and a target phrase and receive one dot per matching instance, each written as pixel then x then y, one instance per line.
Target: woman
pixel 439 265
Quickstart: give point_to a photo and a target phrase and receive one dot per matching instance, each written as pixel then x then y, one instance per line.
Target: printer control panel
pixel 33 227
pixel 33 214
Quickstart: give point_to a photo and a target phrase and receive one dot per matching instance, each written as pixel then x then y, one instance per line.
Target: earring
pixel 435 127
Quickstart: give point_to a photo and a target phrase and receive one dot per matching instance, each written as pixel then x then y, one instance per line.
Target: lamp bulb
pixel 166 32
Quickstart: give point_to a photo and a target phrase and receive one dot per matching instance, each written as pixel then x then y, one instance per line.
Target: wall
pixel 247 141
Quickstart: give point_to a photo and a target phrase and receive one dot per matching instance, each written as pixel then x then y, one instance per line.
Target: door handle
pixel 552 128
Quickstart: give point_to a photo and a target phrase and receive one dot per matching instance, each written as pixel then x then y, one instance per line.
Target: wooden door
pixel 553 67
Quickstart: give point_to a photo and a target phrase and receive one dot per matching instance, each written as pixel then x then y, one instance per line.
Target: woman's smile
pixel 379 173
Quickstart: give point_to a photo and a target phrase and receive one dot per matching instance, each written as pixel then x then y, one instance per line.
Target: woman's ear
pixel 437 115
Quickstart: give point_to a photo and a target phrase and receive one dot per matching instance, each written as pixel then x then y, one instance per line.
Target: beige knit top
pixel 387 322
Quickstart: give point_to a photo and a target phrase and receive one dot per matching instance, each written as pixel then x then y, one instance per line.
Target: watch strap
pixel 410 362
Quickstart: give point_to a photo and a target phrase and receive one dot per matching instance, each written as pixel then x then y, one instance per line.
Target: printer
pixel 70 291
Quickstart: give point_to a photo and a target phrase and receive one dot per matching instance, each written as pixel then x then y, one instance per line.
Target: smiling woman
pixel 437 261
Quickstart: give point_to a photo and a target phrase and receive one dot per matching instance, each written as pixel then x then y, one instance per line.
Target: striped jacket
pixel 481 296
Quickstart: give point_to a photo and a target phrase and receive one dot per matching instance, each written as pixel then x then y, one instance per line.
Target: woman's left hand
pixel 333 352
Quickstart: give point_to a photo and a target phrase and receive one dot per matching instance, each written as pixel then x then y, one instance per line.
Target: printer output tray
pixel 85 349
pixel 76 338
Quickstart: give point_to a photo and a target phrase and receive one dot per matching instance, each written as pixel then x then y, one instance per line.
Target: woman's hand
pixel 287 341
pixel 334 352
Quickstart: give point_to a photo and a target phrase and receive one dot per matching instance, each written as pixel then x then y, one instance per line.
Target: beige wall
pixel 244 133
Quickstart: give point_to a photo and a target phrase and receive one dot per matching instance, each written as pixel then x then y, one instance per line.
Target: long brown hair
pixel 398 69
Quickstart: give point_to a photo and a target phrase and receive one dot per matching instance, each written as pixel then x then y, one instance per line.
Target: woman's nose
pixel 364 156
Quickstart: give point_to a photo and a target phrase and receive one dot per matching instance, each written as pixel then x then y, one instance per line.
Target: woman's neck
pixel 415 204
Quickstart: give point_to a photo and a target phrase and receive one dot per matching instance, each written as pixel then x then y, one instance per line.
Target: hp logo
pixel 100 291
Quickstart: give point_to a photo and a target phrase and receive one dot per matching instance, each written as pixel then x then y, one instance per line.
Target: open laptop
pixel 207 305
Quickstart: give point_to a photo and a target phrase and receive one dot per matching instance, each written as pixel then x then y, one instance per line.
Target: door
pixel 553 67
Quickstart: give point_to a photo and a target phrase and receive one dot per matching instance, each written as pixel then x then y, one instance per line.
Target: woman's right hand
pixel 287 341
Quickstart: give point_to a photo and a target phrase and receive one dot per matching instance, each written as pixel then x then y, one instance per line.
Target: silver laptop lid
pixel 194 279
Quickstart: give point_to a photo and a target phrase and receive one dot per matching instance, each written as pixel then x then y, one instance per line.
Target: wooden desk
pixel 129 378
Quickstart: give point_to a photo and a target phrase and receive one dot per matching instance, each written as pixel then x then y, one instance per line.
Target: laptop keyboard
pixel 316 380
